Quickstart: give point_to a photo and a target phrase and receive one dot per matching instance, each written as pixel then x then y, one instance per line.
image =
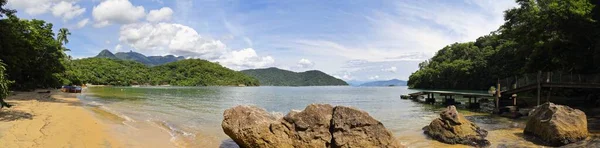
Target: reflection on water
pixel 193 115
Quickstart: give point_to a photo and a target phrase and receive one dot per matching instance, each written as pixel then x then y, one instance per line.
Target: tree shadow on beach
pixel 12 115
pixel 44 96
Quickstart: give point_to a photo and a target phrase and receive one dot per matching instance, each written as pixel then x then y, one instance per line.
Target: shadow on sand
pixel 12 115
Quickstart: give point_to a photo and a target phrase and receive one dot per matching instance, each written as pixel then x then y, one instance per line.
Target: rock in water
pixel 251 126
pixel 311 126
pixel 453 128
pixel 557 125
pixel 318 125
pixel 355 128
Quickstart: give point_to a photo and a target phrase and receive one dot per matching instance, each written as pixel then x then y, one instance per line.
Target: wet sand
pixel 60 120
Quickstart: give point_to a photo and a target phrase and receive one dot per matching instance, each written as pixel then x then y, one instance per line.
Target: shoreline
pixel 60 119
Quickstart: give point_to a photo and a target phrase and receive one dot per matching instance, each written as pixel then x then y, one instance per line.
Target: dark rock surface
pixel 557 125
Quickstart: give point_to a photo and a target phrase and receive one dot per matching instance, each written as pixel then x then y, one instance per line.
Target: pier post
pixel 498 96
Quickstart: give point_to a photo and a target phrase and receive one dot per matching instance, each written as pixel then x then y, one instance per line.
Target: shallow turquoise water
pixel 195 113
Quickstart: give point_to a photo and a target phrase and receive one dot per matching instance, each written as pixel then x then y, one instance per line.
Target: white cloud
pixel 177 39
pixel 244 59
pixel 117 11
pixel 118 47
pixel 305 63
pixel 35 7
pixel 162 14
pixel 374 77
pixel 82 23
pixel 67 10
pixel 168 38
pixel 391 69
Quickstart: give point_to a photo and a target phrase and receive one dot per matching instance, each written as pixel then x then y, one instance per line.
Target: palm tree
pixel 63 33
pixel 62 37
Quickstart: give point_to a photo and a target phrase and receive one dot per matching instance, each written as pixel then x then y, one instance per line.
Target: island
pixel 279 77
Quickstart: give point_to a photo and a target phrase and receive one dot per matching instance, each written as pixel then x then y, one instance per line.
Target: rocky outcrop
pixel 311 126
pixel 453 128
pixel 556 124
pixel 355 128
pixel 318 125
pixel 251 126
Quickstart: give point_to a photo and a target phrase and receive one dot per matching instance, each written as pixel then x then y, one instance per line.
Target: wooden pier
pixel 448 97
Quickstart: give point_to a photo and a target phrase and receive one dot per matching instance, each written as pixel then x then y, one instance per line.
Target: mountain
pixel 393 82
pixel 278 77
pixel 106 54
pixel 189 72
pixel 138 57
pixel 356 82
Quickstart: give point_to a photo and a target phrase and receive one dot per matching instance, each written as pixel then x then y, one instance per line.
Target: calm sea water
pixel 194 114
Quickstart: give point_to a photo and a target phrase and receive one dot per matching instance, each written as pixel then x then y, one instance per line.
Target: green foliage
pixel 193 72
pixel 4 91
pixel 279 77
pixel 539 35
pixel 196 72
pixel 63 34
pixel 33 58
pixel 138 57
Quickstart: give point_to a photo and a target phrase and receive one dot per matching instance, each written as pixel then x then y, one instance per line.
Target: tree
pixel 62 37
pixel 3 87
pixel 4 11
pixel 539 35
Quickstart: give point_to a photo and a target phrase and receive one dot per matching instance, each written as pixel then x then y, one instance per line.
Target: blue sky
pixel 361 40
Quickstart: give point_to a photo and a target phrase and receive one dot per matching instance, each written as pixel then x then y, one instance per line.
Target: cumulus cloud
pixel 82 23
pixel 170 38
pixel 391 69
pixel 67 10
pixel 305 63
pixel 117 11
pixel 37 7
pixel 245 59
pixel 162 14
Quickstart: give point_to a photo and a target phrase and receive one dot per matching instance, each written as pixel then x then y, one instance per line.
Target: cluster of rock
pixel 557 125
pixel 318 125
pixel 453 128
pixel 322 125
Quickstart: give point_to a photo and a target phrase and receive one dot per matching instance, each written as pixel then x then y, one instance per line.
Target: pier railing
pixel 559 78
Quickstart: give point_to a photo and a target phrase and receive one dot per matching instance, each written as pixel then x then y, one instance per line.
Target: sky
pixel 354 40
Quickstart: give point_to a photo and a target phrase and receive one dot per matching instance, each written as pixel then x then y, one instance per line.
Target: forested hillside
pixel 279 77
pixel 192 72
pixel 538 35
pixel 138 57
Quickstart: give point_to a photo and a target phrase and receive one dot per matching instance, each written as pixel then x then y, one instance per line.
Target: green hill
pixel 138 57
pixel 279 77
pixel 192 72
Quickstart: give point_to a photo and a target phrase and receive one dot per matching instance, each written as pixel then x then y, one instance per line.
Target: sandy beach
pixel 59 119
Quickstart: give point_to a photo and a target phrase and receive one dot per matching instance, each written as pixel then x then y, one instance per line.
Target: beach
pixel 59 119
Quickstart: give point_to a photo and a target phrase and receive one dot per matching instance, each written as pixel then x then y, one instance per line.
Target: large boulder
pixel 251 126
pixel 311 126
pixel 355 128
pixel 557 124
pixel 318 125
pixel 453 128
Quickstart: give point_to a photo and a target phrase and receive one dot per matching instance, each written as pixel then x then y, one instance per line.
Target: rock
pixel 311 126
pixel 355 128
pixel 251 126
pixel 453 128
pixel 318 125
pixel 557 125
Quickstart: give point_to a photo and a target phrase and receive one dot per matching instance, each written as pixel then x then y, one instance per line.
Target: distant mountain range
pixel 393 82
pixel 138 57
pixel 279 77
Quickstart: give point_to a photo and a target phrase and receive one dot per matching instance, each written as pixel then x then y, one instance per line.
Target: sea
pixel 192 116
